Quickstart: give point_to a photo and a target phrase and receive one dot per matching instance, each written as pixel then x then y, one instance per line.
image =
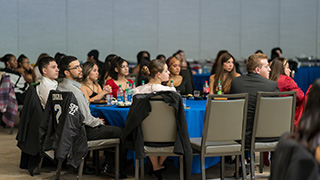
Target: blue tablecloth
pixel 199 79
pixel 305 76
pixel 194 116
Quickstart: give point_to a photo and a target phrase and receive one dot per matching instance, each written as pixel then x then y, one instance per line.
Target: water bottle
pixel 171 83
pixel 126 91
pixel 120 95
pixel 206 88
pixel 129 96
pixel 133 85
pixel 219 88
pixel 142 82
pixel 205 69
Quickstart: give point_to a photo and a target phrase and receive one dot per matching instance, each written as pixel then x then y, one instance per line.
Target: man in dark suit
pixel 256 80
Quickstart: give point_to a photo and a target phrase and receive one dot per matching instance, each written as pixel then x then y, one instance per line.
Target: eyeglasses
pixel 76 67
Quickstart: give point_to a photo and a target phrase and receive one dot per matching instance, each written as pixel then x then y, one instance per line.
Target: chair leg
pixel 244 172
pixel 137 169
pixel 58 169
pixel 39 166
pixel 142 169
pixel 11 130
pixel 237 166
pixel 203 168
pixel 80 169
pixel 252 165
pixel 96 160
pixel 181 168
pixel 117 161
pixel 222 168
pixel 261 162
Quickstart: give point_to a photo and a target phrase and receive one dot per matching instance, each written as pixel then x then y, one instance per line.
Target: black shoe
pixel 158 174
pixel 109 170
pixel 240 172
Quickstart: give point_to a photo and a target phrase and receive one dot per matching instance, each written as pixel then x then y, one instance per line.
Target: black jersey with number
pixel 62 128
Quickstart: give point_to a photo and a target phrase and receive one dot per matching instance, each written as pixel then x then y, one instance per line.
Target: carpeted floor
pixel 10 159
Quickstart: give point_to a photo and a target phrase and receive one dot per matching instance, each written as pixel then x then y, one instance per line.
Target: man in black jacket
pixel 256 80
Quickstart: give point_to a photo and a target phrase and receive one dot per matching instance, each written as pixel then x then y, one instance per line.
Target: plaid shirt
pixel 8 101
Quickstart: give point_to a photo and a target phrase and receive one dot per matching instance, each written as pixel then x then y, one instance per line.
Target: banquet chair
pixel 93 145
pixel 160 126
pixel 96 145
pixel 223 128
pixel 62 105
pixel 274 116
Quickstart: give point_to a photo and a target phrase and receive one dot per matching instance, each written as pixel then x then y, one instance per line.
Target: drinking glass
pixel 184 100
pixel 109 99
pixel 196 93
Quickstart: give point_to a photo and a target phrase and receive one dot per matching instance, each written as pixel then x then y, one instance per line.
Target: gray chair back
pixel 160 125
pixel 224 117
pixel 274 113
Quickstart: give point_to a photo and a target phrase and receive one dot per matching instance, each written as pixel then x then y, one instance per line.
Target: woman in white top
pixel 157 71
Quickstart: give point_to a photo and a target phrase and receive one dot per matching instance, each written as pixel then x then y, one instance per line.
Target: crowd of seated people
pixel 16 78
pixel 93 80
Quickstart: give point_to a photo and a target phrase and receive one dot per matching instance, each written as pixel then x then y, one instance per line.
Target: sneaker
pixel 109 171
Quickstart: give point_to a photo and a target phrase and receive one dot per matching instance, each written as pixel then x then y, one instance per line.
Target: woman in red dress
pixel 280 72
pixel 118 70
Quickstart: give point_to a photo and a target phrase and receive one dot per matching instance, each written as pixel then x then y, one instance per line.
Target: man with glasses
pixel 71 70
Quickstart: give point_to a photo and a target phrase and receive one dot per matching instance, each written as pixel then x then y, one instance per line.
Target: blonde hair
pixel 254 61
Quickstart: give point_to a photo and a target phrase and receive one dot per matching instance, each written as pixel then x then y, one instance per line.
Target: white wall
pixel 200 27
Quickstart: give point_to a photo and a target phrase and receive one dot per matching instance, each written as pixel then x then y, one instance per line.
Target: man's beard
pixel 77 78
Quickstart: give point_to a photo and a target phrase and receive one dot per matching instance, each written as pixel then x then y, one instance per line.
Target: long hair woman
pixel 118 70
pixel 89 85
pixel 225 72
pixel 280 72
